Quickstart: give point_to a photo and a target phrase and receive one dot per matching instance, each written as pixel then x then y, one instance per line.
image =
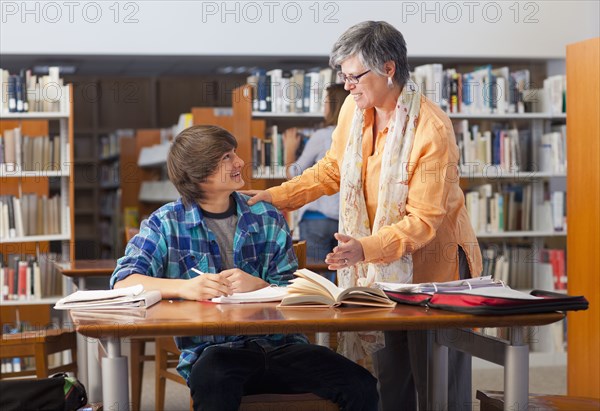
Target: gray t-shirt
pixel 223 226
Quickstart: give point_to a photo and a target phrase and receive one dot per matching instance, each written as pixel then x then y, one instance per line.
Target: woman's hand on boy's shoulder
pixel 242 282
pixel 258 195
pixel 205 286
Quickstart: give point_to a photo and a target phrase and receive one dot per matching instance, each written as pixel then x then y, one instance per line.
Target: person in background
pixel 318 221
pixel 238 248
pixel 394 161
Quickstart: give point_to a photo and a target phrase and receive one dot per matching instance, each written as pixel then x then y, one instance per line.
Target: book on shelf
pixel 29 215
pixel 263 295
pixel 21 279
pixel 25 153
pixel 25 92
pixel 310 289
pixel 289 91
pixel 489 91
pixel 120 298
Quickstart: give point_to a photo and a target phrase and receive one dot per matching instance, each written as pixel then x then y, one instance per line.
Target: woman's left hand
pixel 348 252
pixel 241 281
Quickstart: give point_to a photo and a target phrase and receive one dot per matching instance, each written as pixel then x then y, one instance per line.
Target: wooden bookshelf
pixel 37 182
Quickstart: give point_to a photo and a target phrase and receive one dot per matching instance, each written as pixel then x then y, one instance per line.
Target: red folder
pixel 486 305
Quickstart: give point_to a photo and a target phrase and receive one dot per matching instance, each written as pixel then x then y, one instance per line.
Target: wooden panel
pixel 242 112
pixel 35 315
pixel 129 173
pixel 583 215
pixel 177 94
pixel 209 116
pixel 28 127
pixel 126 103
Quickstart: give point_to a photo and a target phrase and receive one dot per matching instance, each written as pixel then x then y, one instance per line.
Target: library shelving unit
pixel 522 248
pixel 110 192
pixel 537 236
pixel 17 182
pixel 249 124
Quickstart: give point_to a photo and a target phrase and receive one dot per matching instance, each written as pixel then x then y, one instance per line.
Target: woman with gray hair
pixel 394 160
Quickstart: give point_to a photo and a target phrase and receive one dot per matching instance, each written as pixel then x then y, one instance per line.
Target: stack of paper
pixel 122 298
pixel 430 288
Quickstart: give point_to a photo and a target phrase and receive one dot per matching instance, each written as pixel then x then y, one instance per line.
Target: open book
pixel 264 295
pixel 310 289
pixel 121 298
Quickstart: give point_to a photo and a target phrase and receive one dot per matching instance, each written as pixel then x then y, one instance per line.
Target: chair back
pixel 300 251
pixel 130 232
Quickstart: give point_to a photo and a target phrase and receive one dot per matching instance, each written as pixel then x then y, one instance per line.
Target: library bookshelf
pixel 536 235
pixel 40 178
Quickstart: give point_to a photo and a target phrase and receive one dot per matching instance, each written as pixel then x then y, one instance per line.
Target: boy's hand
pixel 204 287
pixel 258 195
pixel 242 282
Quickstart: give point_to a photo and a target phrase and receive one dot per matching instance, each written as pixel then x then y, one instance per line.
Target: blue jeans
pixel 222 375
pixel 318 234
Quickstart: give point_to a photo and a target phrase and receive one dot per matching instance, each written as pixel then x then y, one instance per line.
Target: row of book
pixel 110 175
pixel 270 151
pixel 485 90
pixel 552 150
pixel 109 203
pixel 525 267
pixel 509 208
pixel 25 153
pixel 290 91
pixel 24 92
pixel 30 278
pixel 488 90
pixel 109 144
pixel 509 149
pixel 30 215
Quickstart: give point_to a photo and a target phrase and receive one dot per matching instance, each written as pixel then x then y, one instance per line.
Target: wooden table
pixel 87 350
pixel 182 318
pixel 82 269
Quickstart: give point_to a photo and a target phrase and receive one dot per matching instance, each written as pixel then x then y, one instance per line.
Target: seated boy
pixel 240 248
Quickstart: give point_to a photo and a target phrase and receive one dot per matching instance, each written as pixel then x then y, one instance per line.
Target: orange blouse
pixel 436 220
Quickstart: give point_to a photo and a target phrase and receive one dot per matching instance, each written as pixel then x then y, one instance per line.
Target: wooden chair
pixel 494 401
pixel 39 344
pixel 167 356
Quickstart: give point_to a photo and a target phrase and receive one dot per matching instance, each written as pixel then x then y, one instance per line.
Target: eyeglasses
pixel 350 78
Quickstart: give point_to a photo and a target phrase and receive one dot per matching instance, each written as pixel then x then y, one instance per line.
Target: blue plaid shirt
pixel 175 238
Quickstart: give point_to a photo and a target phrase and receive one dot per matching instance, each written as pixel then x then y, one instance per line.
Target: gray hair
pixel 375 43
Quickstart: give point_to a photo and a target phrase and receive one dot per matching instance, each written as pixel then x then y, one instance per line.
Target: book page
pixel 365 296
pixel 331 288
pixel 263 295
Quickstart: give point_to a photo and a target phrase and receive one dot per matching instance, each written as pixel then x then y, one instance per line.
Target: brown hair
pixel 336 94
pixel 194 155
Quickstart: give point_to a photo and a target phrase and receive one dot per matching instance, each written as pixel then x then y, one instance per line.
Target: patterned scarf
pixel 391 208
